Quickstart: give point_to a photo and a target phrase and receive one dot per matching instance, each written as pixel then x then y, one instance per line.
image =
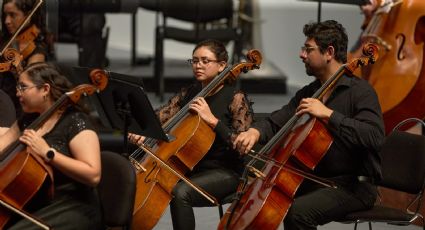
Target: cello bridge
pixel 137 165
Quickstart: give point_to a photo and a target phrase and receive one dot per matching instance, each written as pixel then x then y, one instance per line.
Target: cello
pixel 289 157
pixel 165 163
pixel 22 174
pixel 398 27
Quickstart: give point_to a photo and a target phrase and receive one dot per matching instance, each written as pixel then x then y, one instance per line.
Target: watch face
pixel 50 154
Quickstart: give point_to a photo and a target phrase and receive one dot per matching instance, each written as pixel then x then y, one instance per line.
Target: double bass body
pixel 399 75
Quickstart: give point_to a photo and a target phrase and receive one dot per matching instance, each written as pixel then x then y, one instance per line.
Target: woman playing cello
pixel 351 114
pixel 227 112
pixel 67 142
pixel 32 41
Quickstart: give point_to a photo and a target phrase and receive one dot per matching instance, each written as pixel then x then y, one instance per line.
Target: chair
pixel 211 20
pixel 226 200
pixel 117 190
pixel 403 170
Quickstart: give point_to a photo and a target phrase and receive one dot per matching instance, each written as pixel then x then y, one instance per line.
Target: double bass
pixel 22 174
pixel 161 165
pixel 398 77
pixel 289 157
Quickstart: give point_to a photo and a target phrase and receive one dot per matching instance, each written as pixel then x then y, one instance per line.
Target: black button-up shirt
pixel 356 126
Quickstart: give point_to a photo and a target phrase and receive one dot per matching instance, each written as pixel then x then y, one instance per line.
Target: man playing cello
pixel 352 115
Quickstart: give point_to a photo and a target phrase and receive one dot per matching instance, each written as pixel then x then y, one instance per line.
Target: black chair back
pixel 199 11
pixel 117 189
pixel 403 161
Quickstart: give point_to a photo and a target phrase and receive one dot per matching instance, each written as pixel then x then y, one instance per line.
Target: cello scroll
pixel 254 60
pixel 370 55
pixel 99 79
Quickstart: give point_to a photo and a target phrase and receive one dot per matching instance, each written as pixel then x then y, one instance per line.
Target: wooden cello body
pixel 160 170
pixel 398 77
pixel 154 186
pixel 21 177
pixel 290 157
pixel 268 199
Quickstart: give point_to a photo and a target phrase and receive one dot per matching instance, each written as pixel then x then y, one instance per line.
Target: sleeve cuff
pixel 335 120
pixel 222 131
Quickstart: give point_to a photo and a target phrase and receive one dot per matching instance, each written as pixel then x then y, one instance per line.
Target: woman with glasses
pixel 67 142
pixel 227 112
pixel 32 42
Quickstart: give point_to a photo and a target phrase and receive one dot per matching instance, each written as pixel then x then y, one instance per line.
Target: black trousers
pixel 73 210
pixel 217 182
pixel 317 205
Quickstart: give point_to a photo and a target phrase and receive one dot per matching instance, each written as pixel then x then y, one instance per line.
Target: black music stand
pixel 128 108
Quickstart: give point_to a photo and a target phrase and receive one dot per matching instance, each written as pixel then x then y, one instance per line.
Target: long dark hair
pixel 41 73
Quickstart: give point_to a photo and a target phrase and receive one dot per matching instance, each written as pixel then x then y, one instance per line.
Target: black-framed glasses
pixel 308 49
pixel 21 88
pixel 204 61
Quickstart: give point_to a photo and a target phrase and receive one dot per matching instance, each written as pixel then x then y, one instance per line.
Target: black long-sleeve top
pixel 356 126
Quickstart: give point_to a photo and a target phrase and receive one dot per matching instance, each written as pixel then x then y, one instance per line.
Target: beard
pixel 308 70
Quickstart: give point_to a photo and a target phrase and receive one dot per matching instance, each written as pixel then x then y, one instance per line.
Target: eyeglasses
pixel 22 88
pixel 204 61
pixel 308 49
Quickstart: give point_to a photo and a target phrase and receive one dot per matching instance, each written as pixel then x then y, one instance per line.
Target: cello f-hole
pixel 147 180
pixel 402 39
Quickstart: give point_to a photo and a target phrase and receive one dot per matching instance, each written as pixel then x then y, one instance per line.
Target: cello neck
pixel 290 124
pixel 205 92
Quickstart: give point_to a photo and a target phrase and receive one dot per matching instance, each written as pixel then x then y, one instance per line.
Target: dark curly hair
pixel 329 33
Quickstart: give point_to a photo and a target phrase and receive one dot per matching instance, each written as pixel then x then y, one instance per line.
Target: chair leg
pixel 105 39
pixel 159 62
pixel 220 211
pixel 370 225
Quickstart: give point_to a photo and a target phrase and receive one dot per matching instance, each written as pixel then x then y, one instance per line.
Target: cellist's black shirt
pixel 356 126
